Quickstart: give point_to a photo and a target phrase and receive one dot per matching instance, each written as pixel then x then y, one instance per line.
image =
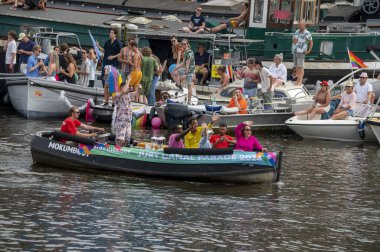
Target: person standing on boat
pixel 70 124
pixel 222 140
pixel 266 84
pixel 302 45
pixel 148 66
pixel 321 103
pixel 70 72
pixel 34 65
pixel 126 59
pixel 93 64
pixel 278 70
pixel 238 101
pixel 156 77
pixel 197 22
pixel 244 139
pixel 347 103
pixel 251 78
pixel 85 70
pixel 10 49
pixel 123 120
pixel 53 66
pixel 136 74
pixel 110 50
pixel 194 135
pixel 189 64
pixel 364 90
pixel 202 60
pixel 25 49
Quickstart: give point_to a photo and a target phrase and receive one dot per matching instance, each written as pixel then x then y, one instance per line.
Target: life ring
pixel 164 96
pixel 370 7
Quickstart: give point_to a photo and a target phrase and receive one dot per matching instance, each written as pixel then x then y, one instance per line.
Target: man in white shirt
pixel 267 80
pixel 363 90
pixel 278 70
pixel 10 48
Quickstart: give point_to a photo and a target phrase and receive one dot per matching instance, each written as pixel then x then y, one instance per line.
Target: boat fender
pixel 57 135
pixel 199 151
pixel 361 129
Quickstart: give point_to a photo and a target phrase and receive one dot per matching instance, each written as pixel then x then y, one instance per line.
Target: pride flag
pixel 355 61
pixel 96 48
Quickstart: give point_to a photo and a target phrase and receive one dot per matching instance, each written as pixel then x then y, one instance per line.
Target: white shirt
pixel 362 91
pixel 11 49
pixel 279 72
pixel 92 69
pixel 265 79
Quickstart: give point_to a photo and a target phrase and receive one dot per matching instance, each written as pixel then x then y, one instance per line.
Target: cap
pixel 324 83
pixel 364 75
pixel 21 36
pixel 349 83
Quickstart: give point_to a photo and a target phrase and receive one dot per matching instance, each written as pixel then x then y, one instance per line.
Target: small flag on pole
pixel 97 51
pixel 355 61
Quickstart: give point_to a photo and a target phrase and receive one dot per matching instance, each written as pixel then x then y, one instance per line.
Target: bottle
pixel 213 99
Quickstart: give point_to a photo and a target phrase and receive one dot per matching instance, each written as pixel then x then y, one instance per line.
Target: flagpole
pixel 352 70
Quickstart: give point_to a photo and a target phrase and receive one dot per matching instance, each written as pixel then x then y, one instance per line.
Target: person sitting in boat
pixel 194 135
pixel 35 65
pixel 71 123
pixel 224 79
pixel 202 60
pixel 204 143
pixel 238 101
pixel 278 71
pixel 222 140
pixel 239 21
pixel 293 77
pixel 364 90
pixel 251 78
pixel 176 138
pixel 321 103
pixel 347 103
pixel 244 139
pixel 197 22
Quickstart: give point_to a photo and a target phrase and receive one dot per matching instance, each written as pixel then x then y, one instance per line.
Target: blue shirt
pixel 32 61
pixel 197 21
pixel 28 46
pixel 201 59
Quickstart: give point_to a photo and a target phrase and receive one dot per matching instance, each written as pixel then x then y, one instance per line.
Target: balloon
pixel 171 68
pixel 156 122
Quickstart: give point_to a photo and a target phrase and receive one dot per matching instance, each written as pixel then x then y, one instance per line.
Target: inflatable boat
pixel 226 165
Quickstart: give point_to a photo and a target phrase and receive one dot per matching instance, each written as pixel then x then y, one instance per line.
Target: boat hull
pixel 52 153
pixel 375 127
pixel 338 130
pixel 37 98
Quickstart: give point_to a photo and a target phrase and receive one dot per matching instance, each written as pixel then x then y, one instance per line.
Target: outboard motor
pixel 176 113
pixel 361 130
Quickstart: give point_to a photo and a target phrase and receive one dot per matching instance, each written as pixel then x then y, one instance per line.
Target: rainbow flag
pixel 355 61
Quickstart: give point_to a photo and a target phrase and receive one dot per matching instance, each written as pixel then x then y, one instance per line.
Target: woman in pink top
pixel 244 139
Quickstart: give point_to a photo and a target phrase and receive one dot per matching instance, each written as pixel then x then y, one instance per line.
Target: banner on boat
pixel 256 158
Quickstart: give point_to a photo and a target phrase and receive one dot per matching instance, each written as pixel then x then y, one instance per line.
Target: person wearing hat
pixel 347 103
pixel 278 70
pixel 25 49
pixel 321 103
pixel 363 90
pixel 267 80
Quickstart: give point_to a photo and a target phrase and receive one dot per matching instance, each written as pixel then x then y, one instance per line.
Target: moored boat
pixel 184 164
pixel 40 98
pixel 374 125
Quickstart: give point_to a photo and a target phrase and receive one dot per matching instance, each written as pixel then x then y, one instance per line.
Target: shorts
pixel 350 112
pixel 250 92
pixel 136 77
pixel 123 129
pixel 189 79
pixel 199 69
pixel 326 109
pixel 298 59
pixel 124 75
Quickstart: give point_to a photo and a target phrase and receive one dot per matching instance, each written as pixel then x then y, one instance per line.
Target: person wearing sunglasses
pixel 347 103
pixel 70 125
pixel 197 22
pixel 364 90
pixel 34 65
pixel 244 139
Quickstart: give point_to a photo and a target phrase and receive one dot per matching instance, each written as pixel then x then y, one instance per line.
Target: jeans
pixel 152 93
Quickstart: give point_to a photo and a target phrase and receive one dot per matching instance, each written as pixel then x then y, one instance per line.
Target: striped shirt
pixel 126 54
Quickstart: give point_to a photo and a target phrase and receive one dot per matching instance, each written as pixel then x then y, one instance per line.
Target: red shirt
pixel 69 126
pixel 220 145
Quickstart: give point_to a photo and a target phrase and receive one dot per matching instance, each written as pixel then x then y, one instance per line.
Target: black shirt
pixel 111 49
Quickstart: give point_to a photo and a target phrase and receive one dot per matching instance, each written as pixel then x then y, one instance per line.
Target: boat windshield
pixel 227 92
pixel 296 93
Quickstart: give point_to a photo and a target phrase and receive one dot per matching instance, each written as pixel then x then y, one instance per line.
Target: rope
pixel 62 97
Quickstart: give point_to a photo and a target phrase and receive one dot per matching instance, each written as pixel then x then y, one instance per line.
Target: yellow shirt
pixel 192 140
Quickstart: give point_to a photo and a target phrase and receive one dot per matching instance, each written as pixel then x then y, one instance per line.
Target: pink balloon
pixel 156 122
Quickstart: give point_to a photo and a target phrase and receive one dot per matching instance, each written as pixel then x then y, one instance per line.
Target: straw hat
pixel 349 83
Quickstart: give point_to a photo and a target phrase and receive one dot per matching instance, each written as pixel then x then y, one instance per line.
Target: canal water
pixel 328 200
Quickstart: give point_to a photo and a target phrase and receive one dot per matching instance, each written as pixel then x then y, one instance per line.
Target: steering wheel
pixel 370 6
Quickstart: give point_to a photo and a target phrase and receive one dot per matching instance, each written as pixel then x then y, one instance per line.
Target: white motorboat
pixel 374 125
pixel 40 98
pixel 338 130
